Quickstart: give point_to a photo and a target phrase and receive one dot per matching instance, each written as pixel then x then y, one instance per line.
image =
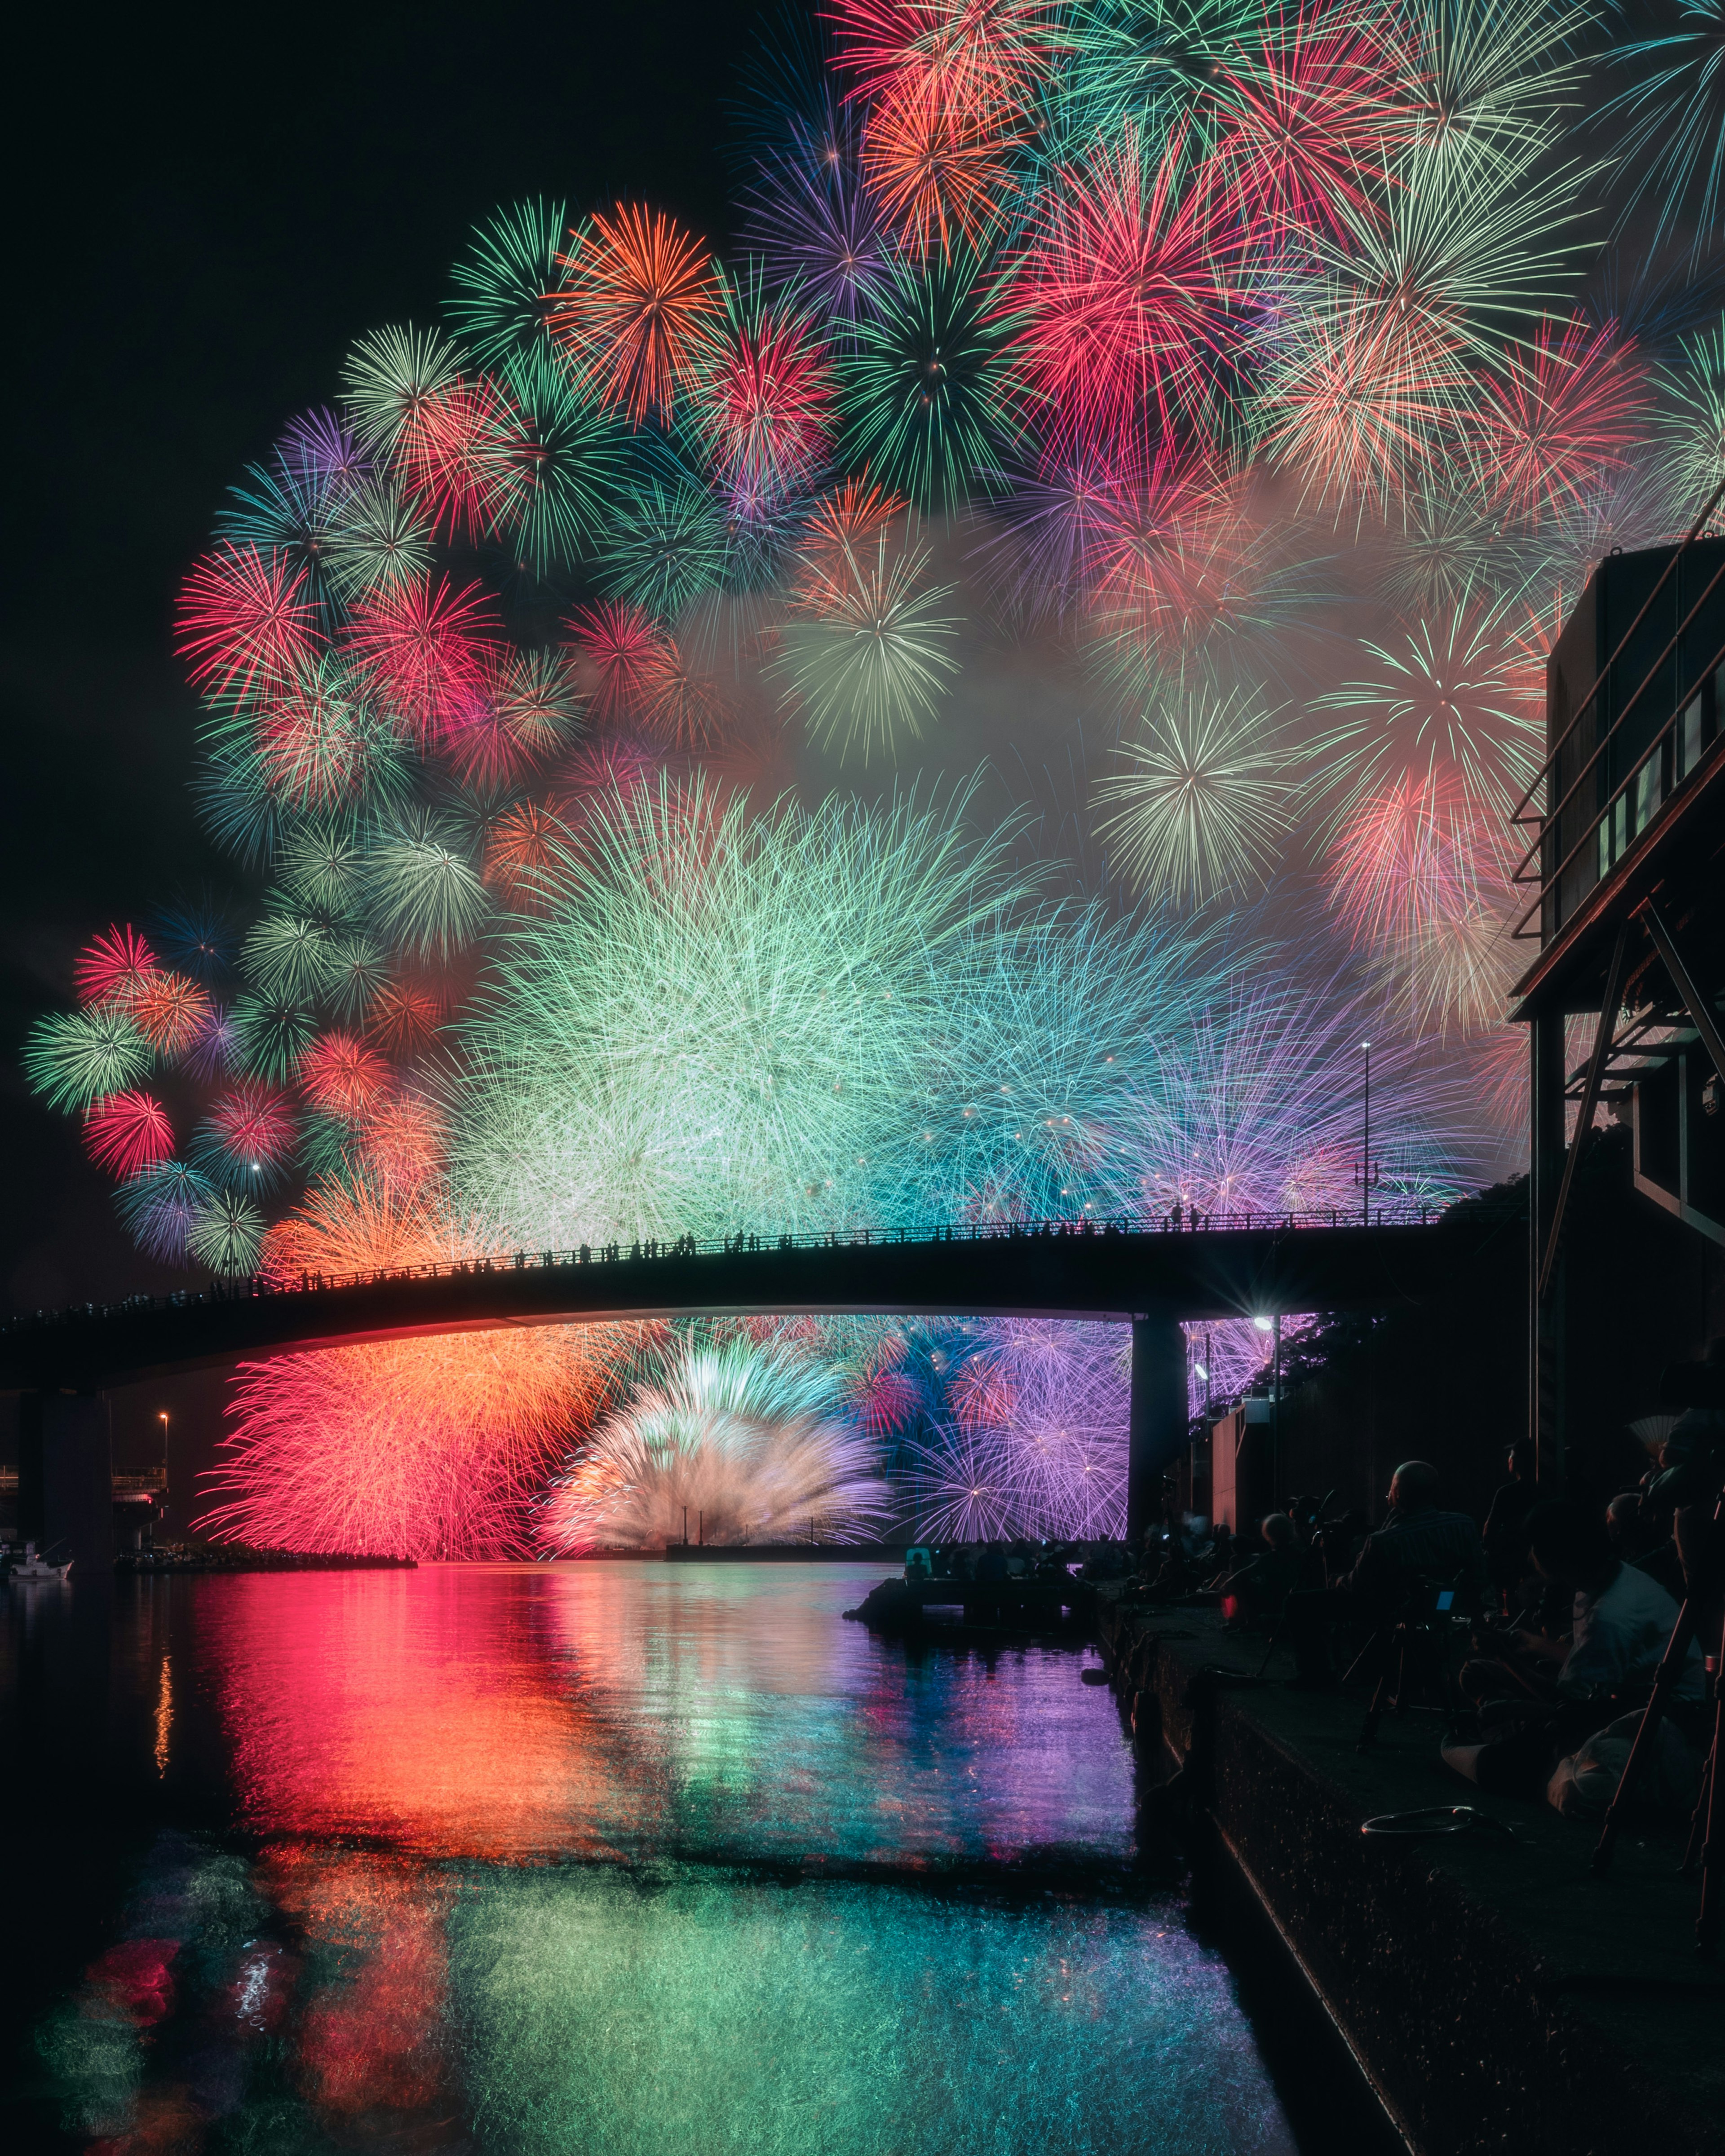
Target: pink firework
pixel 1311 105
pixel 458 454
pixel 1121 294
pixel 254 1125
pixel 1420 881
pixel 343 1077
pixel 1561 416
pixel 766 402
pixel 994 49
pixel 115 968
pixel 1142 554
pixel 245 618
pixel 425 648
pixel 623 647
pixel 126 1132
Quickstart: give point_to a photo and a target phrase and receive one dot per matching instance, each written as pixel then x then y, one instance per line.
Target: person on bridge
pixel 1417 1541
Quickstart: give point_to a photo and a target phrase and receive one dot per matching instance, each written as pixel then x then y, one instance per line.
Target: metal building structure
pixel 1624 874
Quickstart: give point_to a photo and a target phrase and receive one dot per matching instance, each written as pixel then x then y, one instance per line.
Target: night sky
pixel 202 222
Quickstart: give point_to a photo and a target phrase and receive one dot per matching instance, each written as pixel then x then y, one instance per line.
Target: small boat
pixel 30 1568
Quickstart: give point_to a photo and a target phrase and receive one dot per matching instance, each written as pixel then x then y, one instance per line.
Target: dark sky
pixel 206 208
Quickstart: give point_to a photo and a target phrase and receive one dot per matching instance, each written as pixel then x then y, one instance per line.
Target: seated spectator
pixel 1639 1540
pixel 1417 1541
pixel 992 1564
pixel 1505 1544
pixel 1257 1591
pixel 1621 1622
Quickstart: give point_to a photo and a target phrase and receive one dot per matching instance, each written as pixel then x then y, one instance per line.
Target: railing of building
pixel 1675 753
pixel 1397 1213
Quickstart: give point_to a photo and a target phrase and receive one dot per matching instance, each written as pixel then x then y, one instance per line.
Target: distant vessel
pixel 30 1567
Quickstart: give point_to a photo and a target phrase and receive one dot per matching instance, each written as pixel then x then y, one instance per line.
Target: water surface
pixel 590 1858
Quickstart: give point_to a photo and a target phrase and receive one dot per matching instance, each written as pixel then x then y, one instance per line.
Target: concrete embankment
pixel 1495 1995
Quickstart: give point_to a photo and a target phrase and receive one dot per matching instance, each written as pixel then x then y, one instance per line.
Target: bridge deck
pixel 1117 1272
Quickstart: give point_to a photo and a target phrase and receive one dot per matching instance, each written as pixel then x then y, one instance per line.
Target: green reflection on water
pixel 606 2014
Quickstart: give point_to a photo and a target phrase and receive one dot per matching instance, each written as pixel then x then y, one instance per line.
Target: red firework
pixel 524 849
pixel 254 1122
pixel 1122 295
pixel 244 618
pixel 1561 416
pixel 171 1012
pixel 458 454
pixel 342 1076
pixel 426 651
pixel 1313 105
pixel 767 405
pixel 638 305
pixel 625 649
pixel 115 967
pixel 404 1016
pixel 126 1131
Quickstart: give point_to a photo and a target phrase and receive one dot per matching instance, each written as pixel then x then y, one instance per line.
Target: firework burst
pixel 757 1444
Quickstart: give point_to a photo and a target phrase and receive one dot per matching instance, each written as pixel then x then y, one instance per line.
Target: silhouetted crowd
pixel 1535 1636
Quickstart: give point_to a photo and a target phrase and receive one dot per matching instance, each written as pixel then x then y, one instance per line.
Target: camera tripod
pixel 1701 1598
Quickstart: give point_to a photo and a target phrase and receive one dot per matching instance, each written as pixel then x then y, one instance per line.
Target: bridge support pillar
pixel 1545 1313
pixel 65 1477
pixel 1159 1416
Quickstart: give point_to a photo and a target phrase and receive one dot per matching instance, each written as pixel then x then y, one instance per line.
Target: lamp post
pixel 1365 1174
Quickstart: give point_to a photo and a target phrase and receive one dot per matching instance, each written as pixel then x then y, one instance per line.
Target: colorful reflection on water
pixel 531 1859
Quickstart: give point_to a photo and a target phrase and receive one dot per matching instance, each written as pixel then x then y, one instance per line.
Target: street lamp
pixel 1365 1174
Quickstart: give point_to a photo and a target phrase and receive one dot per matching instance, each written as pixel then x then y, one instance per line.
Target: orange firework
pixel 523 850
pixel 170 1011
pixel 638 301
pixel 402 1141
pixel 942 168
pixel 845 524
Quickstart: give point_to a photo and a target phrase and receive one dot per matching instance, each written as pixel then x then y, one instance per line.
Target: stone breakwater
pixel 1493 1992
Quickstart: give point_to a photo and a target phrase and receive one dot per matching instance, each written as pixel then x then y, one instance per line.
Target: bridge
pixel 1152 1273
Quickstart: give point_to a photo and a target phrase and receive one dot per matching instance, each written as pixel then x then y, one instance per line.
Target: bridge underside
pixel 1254 1272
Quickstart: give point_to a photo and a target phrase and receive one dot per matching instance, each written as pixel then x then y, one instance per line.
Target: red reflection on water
pixel 398 1705
pixel 133 1982
pixel 368 2039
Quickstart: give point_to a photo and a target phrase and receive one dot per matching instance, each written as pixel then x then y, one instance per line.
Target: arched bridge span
pixel 1238 1266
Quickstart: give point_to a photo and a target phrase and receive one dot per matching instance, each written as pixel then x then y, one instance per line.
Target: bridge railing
pixel 1178 1220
